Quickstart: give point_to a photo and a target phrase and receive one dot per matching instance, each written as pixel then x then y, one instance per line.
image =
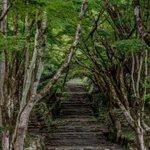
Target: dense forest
pixel 101 45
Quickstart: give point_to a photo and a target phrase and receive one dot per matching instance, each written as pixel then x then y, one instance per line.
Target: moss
pixel 36 139
pixel 29 139
pixel 147 120
pixel 128 135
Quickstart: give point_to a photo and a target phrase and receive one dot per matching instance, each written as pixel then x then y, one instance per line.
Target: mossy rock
pixel 34 142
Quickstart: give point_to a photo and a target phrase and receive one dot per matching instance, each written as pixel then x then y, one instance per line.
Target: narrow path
pixel 77 128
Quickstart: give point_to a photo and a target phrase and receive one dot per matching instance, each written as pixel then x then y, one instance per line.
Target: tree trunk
pixel 4 21
pixel 3 27
pixel 144 33
pixel 139 136
pixel 115 122
pixel 5 140
pixel 21 127
pixel 2 74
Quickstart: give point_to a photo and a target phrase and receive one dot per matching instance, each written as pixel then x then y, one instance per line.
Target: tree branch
pixel 142 30
pixel 5 13
pixel 71 50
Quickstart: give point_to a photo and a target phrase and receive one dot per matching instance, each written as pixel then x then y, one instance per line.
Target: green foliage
pixel 147 98
pixel 12 43
pixel 77 72
pixel 63 14
pixel 33 138
pixel 43 114
pixel 129 135
pixel 147 86
pixel 1 130
pixel 126 47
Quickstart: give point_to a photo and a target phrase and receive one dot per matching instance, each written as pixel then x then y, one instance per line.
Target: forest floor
pixel 75 127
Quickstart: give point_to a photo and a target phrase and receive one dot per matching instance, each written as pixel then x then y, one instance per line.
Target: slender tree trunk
pixel 115 122
pixel 2 73
pixel 5 140
pixel 144 33
pixel 22 127
pixel 4 21
pixel 139 136
pixel 3 28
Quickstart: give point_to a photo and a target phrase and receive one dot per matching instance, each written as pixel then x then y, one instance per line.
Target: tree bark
pixel 2 74
pixel 115 122
pixel 22 127
pixel 145 35
pixel 3 27
pixel 31 67
pixel 5 140
pixel 4 18
pixel 139 135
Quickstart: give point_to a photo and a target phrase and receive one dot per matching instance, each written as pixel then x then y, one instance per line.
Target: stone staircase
pixel 76 128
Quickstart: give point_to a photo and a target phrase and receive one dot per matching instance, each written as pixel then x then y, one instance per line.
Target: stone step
pixel 84 143
pixel 78 122
pixel 75 142
pixel 114 147
pixel 75 96
pixel 79 95
pixel 66 105
pixel 78 128
pixel 75 108
pixel 77 102
pixel 75 121
pixel 76 111
pixel 75 135
pixel 76 88
pixel 81 116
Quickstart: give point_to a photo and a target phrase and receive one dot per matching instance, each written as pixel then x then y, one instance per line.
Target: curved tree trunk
pixel 22 127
